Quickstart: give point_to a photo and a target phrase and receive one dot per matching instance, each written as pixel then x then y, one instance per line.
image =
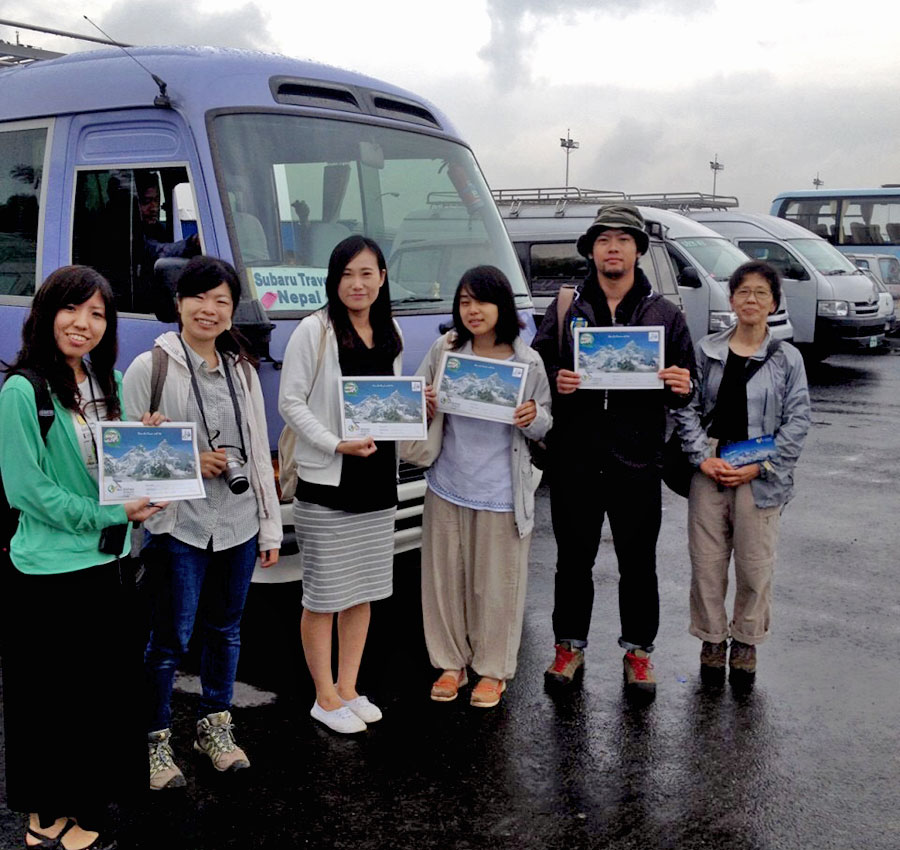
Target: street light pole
pixel 569 144
pixel 716 167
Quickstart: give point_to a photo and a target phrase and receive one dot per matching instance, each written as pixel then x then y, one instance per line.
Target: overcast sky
pixel 652 89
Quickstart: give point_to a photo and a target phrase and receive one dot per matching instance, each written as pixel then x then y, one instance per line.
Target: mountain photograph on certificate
pixel 619 357
pixel 480 387
pixel 382 402
pixel 146 455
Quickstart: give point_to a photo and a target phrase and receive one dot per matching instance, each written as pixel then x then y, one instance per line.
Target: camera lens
pixel 234 476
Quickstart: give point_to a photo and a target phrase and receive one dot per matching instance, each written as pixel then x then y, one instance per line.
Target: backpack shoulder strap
pixel 563 301
pixel 319 354
pixel 44 404
pixel 157 376
pixel 753 366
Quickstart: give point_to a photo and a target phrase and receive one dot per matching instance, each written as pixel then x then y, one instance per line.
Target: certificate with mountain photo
pixel 620 358
pixel 480 387
pixel 139 461
pixel 383 408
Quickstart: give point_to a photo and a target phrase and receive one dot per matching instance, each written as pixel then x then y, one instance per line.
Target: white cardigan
pixel 314 410
pixel 173 403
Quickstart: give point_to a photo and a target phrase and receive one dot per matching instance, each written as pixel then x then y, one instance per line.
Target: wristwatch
pixel 765 470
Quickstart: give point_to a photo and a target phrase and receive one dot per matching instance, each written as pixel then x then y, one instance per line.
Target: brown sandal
pixel 446 688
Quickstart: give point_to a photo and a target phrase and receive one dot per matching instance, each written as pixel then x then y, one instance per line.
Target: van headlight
pixel 721 321
pixel 834 308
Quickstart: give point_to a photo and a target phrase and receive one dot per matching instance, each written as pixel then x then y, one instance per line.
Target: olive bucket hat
pixel 615 217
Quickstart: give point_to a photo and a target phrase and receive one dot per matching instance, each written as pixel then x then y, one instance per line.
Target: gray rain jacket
pixel 777 404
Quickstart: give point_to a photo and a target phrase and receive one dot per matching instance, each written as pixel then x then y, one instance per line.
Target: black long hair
pixel 69 285
pixel 203 273
pixel 487 283
pixel 383 331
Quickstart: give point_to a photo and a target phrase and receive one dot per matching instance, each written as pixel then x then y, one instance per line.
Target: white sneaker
pixel 341 719
pixel 363 709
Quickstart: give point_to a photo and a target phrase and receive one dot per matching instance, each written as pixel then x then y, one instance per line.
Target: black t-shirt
pixel 367 483
pixel 729 421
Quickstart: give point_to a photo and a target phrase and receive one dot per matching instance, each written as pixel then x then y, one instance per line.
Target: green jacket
pixel 61 516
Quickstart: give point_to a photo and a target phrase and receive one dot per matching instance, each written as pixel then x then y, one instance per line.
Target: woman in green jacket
pixel 71 661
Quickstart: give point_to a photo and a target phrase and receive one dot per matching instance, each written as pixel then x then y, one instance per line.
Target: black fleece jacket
pixel 619 429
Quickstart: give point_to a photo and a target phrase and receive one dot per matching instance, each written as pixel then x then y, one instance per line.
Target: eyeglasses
pixel 761 295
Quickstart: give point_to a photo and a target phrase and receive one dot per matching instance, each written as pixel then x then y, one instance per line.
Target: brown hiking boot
pixel 164 773
pixel 216 740
pixel 713 654
pixel 568 663
pixel 742 658
pixel 639 671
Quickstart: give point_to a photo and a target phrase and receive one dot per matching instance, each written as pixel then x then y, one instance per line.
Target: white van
pixel 687 262
pixel 833 305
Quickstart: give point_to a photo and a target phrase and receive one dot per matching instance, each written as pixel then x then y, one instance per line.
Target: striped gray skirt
pixel 347 558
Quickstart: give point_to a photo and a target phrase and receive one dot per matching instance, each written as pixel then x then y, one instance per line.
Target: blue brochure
pixel 749 451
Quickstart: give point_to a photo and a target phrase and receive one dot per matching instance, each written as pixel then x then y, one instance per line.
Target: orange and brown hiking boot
pixel 639 671
pixel 569 662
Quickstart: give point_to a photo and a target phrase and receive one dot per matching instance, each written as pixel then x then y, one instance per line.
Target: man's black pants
pixel 580 497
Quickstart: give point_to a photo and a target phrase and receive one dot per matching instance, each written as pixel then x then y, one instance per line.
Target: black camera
pixel 234 475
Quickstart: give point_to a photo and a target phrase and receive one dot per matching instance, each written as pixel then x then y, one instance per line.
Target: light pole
pixel 569 144
pixel 817 182
pixel 716 167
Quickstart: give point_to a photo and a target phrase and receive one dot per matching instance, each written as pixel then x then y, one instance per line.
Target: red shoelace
pixel 563 657
pixel 639 665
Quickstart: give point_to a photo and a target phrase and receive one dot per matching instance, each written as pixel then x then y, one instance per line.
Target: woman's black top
pixel 367 483
pixel 729 421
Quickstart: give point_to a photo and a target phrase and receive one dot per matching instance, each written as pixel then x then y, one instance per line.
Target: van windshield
pixel 296 186
pixel 716 256
pixel 824 257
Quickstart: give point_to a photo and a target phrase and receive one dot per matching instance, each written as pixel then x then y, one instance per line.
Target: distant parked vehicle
pixel 882 267
pixel 833 306
pixel 687 262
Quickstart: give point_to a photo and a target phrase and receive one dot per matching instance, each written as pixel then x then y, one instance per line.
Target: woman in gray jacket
pixel 744 429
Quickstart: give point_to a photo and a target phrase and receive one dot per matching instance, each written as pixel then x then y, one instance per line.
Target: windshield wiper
pixel 837 271
pixel 417 299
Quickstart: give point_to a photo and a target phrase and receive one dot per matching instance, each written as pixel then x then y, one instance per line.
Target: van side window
pixel 127 219
pixel 774 254
pixel 554 263
pixel 21 166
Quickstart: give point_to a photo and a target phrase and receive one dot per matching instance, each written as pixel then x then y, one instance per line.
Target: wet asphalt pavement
pixel 810 758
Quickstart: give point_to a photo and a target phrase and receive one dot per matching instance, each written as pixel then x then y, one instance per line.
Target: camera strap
pixel 196 387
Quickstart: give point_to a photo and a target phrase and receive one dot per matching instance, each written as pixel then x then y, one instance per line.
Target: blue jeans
pixel 180 576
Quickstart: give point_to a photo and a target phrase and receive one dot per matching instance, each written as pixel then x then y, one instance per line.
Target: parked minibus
pixel 833 305
pixel 687 262
pixel 852 220
pixel 263 160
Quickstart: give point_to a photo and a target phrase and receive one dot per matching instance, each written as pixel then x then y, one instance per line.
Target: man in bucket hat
pixel 605 450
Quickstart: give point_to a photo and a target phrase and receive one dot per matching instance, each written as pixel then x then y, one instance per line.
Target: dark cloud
pixel 770 136
pixel 515 25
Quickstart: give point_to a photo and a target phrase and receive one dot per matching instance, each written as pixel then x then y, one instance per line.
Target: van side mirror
pixel 166 272
pixel 795 271
pixel 689 277
pixel 251 320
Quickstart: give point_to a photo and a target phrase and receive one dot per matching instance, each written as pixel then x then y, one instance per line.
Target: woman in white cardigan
pixel 346 496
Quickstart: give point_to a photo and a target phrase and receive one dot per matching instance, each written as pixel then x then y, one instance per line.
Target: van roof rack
pixel 561 196
pixel 15 55
pixel 684 201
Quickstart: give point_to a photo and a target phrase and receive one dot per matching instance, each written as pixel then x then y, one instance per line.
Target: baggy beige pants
pixel 474 576
pixel 721 522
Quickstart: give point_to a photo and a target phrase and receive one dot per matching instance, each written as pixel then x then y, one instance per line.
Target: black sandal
pixel 48 843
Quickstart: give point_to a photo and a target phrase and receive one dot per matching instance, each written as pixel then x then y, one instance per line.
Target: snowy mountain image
pixel 470 386
pixel 139 463
pixel 630 357
pixel 392 408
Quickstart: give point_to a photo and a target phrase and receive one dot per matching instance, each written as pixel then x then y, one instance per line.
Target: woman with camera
pixel 205 546
pixel 71 661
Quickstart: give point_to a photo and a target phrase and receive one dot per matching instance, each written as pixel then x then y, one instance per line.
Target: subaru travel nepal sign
pixel 289 287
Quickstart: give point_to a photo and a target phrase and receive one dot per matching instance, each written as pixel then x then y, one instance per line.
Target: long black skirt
pixel 72 690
